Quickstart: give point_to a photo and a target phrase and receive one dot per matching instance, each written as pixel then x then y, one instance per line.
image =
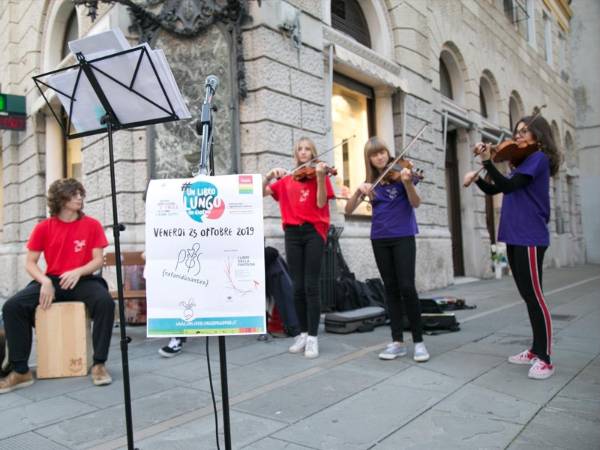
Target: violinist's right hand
pixel 470 177
pixel 277 173
pixel 365 188
pixel 483 150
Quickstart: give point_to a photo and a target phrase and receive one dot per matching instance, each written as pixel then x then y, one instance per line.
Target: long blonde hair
pixel 374 145
pixel 311 144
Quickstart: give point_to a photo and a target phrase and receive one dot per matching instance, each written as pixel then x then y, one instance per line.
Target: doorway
pixel 453 203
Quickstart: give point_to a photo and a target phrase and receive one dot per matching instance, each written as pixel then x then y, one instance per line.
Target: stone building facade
pixel 327 69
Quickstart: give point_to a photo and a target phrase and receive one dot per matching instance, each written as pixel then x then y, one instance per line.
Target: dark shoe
pixel 100 376
pixel 15 380
pixel 173 348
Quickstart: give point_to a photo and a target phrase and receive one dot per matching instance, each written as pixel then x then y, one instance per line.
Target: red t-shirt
pixel 298 203
pixel 67 245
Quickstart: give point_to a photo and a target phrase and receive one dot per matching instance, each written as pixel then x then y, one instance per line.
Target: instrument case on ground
pixel 361 320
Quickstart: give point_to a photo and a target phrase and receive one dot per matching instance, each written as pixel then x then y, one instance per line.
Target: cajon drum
pixel 63 340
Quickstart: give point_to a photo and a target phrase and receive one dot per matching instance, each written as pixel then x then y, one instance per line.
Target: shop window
pixel 352 110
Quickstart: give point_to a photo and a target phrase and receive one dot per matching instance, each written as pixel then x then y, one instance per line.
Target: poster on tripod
pixel 205 268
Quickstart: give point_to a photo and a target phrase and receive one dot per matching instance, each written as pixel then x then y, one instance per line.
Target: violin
pixel 394 174
pixel 309 171
pixel 514 152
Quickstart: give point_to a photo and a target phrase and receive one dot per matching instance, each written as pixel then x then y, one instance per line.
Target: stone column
pixel 54 150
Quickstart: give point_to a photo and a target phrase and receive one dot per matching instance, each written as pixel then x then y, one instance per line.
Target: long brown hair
pixel 61 191
pixel 311 144
pixel 542 131
pixel 374 145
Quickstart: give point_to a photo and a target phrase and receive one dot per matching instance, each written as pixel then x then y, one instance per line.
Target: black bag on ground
pixel 434 322
pixel 361 320
pixel 279 287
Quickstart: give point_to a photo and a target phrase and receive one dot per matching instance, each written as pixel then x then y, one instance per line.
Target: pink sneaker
pixel 541 370
pixel 525 357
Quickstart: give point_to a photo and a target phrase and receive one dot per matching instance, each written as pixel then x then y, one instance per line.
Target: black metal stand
pixel 224 392
pixel 110 121
pixel 125 340
pixel 206 167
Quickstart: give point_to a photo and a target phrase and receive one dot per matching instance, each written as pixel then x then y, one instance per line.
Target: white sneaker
pixel 421 353
pixel 393 350
pixel 525 357
pixel 299 343
pixel 540 370
pixel 312 347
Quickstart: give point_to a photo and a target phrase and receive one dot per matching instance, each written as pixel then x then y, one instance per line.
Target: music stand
pixel 106 94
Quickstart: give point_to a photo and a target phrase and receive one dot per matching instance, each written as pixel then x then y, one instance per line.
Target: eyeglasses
pixel 522 132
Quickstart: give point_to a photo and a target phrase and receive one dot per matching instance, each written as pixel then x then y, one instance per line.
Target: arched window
pixel 347 16
pixel 445 80
pixel 514 110
pixel 71 33
pixel 488 96
pixel 482 103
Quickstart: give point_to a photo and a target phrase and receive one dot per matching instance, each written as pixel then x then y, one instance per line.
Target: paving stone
pixel 420 377
pixel 362 419
pixel 305 397
pixel 465 366
pixel 475 400
pixel 443 430
pixel 140 386
pixel 512 380
pixel 371 364
pixel 565 343
pixel 34 415
pixel 559 429
pixel 200 434
pixel 274 444
pixel 261 373
pixel 53 387
pixel 91 429
pixel 29 441
pixel 13 399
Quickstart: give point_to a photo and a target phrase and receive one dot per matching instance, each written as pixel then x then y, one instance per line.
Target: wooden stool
pixel 63 340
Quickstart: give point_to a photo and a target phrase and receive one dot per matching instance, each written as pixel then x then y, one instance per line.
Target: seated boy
pixel 73 245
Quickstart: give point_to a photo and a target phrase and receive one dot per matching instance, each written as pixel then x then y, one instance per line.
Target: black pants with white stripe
pixel 526 265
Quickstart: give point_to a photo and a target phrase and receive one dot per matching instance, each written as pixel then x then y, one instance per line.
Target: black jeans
pixel 396 263
pixel 304 249
pixel 526 265
pixel 19 317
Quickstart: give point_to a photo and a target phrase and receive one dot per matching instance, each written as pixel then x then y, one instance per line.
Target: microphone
pixel 212 81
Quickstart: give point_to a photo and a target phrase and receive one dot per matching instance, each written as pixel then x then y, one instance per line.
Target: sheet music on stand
pixel 137 80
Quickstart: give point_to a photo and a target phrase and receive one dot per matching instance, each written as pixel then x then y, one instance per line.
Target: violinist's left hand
pixel 321 168
pixel 406 175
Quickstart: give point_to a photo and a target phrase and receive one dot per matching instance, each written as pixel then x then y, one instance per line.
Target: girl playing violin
pixel 524 227
pixel 393 231
pixel 305 218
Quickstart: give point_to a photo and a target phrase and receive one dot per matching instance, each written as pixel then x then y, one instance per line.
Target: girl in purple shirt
pixel 393 230
pixel 524 228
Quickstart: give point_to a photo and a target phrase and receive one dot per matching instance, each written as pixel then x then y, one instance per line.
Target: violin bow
pixel 398 158
pixel 345 140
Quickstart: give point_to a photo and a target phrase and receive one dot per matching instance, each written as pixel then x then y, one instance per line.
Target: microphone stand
pixel 206 167
pixel 204 127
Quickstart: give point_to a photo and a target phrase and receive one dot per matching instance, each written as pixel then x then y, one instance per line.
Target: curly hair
pixel 542 131
pixel 61 191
